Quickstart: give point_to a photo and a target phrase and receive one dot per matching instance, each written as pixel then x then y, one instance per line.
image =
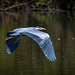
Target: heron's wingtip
pixel 8 49
pixel 53 59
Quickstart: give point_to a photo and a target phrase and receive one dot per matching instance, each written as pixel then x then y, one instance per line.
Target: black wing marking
pixel 12 44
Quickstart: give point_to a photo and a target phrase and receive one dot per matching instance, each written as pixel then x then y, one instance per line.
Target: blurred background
pixel 28 59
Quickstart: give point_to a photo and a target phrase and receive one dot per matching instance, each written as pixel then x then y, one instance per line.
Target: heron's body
pixel 41 38
pixel 30 30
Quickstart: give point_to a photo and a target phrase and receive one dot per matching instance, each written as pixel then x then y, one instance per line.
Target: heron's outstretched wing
pixel 12 43
pixel 44 41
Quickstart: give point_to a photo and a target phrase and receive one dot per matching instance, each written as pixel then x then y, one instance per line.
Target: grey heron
pixel 41 38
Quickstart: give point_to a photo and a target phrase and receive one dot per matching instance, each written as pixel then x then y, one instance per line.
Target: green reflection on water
pixel 28 58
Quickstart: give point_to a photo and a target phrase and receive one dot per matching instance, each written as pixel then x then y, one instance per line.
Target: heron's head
pixel 40 28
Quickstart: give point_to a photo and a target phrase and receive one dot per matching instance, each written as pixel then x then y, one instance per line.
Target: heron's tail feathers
pixel 12 43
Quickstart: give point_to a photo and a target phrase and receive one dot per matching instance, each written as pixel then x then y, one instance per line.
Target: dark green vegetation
pixel 36 4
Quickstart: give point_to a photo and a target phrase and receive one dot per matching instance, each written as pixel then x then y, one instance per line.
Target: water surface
pixel 28 58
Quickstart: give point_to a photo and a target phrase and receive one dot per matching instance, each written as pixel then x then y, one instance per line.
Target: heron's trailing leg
pixel 9 38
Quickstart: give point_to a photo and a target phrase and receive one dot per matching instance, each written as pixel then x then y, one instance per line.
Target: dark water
pixel 28 58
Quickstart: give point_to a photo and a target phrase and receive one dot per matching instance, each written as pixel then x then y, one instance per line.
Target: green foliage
pixel 62 4
pixel 65 4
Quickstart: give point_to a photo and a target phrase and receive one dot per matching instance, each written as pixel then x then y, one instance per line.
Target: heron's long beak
pixel 43 28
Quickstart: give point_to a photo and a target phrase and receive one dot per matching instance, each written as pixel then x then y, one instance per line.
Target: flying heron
pixel 41 38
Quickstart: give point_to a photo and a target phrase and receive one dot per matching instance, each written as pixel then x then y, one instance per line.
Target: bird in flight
pixel 41 38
